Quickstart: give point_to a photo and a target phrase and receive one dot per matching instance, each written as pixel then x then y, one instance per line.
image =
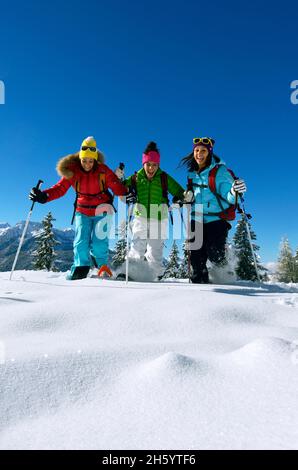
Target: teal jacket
pixel 204 196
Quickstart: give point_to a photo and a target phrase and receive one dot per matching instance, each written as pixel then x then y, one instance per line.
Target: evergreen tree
pixel 245 267
pixel 183 267
pixel 286 269
pixel 172 267
pixel 296 265
pixel 120 247
pixel 45 254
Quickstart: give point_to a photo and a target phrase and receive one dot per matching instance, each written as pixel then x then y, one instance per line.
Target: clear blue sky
pixel 129 72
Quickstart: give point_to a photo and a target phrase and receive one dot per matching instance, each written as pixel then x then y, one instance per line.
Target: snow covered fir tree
pixel 183 267
pixel 296 265
pixel 120 247
pixel 287 268
pixel 44 255
pixel 173 264
pixel 245 267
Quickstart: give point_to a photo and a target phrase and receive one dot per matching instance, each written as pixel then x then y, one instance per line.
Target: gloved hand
pixel 119 173
pixel 36 195
pixel 188 196
pixel 238 186
pixel 176 202
pixel 131 198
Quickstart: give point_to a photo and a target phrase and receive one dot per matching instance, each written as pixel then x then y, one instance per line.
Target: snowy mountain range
pixel 10 237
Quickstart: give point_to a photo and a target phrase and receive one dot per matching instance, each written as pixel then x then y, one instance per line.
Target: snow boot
pixel 200 277
pixel 80 272
pixel 104 272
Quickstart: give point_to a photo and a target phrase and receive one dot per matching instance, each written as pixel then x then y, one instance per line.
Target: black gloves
pixel 36 195
pixel 177 202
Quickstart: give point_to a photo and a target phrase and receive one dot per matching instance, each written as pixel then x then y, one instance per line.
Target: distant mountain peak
pixel 4 225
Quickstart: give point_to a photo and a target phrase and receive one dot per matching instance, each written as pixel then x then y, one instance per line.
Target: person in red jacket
pixel 86 172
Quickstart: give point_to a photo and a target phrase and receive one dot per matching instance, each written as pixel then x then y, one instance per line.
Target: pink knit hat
pixel 151 156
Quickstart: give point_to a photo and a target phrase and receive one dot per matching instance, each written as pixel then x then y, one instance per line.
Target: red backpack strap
pixel 212 178
pixel 189 184
pixel 230 212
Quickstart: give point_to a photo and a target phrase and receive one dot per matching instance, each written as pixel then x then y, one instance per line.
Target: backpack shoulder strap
pixel 102 182
pixel 189 184
pixel 164 185
pixel 133 180
pixel 212 178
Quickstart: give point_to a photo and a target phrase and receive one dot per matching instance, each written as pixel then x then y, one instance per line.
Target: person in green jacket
pixel 150 187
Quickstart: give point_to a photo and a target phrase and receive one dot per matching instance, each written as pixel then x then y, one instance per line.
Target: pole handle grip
pixel 39 184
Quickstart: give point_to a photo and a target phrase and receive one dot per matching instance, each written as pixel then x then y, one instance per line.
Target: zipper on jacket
pixel 149 194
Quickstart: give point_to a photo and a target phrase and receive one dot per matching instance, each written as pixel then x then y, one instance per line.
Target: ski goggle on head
pixel 203 140
pixel 84 147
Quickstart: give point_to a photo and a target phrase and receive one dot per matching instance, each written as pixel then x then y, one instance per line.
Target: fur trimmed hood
pixel 67 165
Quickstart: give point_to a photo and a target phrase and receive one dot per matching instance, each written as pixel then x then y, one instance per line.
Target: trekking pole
pixel 246 218
pixel 24 233
pixel 188 242
pixel 129 213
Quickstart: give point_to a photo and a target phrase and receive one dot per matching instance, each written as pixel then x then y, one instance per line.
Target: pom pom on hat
pixel 91 151
pixel 151 154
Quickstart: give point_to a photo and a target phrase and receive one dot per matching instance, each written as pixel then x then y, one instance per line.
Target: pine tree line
pixel 176 267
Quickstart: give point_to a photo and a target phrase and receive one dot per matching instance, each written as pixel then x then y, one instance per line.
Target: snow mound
pixel 263 351
pixel 172 364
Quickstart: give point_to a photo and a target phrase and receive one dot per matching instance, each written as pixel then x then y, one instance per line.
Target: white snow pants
pixel 148 237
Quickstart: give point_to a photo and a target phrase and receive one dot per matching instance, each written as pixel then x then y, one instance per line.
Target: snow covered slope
pixel 96 364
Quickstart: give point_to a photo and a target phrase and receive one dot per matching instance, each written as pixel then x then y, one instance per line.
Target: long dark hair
pixel 191 164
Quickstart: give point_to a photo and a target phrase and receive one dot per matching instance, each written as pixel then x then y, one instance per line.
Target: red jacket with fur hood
pixel 91 186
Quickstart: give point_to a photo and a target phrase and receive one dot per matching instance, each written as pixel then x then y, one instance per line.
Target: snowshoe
pixel 104 272
pixel 80 272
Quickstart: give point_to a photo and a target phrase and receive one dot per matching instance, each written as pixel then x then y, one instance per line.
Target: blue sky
pixel 130 72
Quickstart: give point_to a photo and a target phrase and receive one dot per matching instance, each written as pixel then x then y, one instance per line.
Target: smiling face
pixel 201 155
pixel 87 163
pixel 150 169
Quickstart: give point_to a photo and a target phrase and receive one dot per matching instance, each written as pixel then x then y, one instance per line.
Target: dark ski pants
pixel 213 248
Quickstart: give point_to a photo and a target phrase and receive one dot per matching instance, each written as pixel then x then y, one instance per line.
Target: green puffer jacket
pixel 150 192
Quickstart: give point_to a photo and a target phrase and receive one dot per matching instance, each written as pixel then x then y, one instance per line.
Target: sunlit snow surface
pixel 97 364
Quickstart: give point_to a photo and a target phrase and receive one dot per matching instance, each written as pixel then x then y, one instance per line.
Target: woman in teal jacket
pixel 212 192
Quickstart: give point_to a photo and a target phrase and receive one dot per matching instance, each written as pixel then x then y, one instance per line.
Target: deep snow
pixel 96 364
